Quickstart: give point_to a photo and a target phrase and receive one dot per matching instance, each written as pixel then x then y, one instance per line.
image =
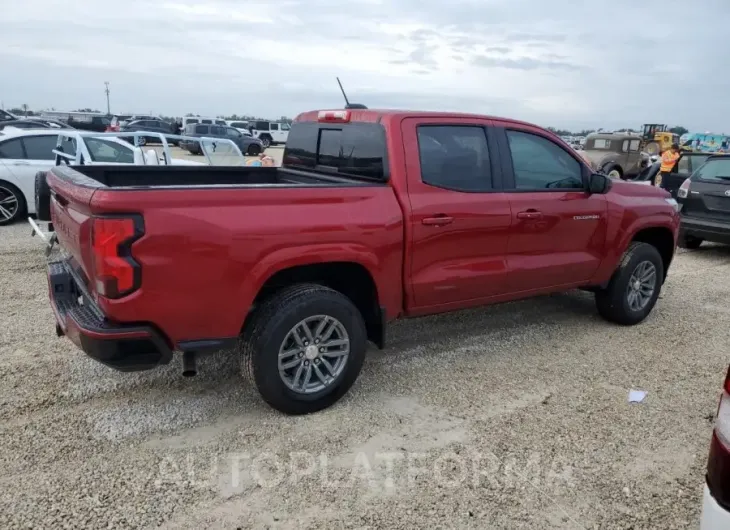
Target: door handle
pixel 21 163
pixel 529 214
pixel 439 220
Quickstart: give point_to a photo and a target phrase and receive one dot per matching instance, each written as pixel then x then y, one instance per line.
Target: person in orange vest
pixel 669 158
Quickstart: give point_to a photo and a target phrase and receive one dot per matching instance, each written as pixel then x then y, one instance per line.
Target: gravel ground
pixel 513 416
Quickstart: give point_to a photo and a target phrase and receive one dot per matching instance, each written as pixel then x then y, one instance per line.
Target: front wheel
pixel 253 150
pixel 303 348
pixel 634 287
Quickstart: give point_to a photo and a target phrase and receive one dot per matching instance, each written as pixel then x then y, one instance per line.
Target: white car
pixel 25 152
pixel 716 496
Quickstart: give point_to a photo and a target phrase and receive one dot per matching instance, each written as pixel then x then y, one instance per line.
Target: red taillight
pixel 718 464
pixel 115 272
pixel 334 116
pixel 683 190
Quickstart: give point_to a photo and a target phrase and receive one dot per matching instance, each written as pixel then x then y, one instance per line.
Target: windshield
pixel 102 150
pixel 717 169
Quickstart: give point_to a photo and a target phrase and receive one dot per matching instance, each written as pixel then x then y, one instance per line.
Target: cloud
pixel 608 64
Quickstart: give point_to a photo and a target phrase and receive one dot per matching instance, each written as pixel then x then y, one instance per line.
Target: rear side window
pixel 717 169
pixel 40 147
pixel 201 129
pixel 454 157
pixel 208 122
pixel 355 149
pixel 12 149
pixel 191 120
pixel 541 164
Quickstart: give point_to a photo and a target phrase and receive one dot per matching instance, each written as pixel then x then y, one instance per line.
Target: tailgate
pixel 71 194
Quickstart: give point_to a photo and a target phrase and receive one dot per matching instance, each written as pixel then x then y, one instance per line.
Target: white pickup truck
pixel 26 152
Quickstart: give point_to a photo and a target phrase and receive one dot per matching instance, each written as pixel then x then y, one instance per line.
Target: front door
pixel 460 219
pixel 558 229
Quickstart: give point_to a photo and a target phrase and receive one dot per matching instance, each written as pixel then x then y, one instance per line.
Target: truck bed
pixel 202 176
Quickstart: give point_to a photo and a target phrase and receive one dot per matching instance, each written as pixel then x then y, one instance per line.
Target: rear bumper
pixel 714 516
pixel 714 231
pixel 127 348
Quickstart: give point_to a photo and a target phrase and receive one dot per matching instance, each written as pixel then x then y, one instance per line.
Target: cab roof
pixel 377 115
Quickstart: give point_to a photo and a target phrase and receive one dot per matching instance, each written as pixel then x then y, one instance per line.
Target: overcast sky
pixel 563 63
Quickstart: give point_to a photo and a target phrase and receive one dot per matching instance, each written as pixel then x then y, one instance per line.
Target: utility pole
pixel 108 108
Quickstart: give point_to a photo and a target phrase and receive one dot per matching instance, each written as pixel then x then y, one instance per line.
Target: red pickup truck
pixel 373 216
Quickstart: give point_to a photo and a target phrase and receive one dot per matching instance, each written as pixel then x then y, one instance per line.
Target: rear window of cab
pixel 350 149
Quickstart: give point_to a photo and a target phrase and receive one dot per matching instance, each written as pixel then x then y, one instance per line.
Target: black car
pixel 157 126
pixel 89 123
pixel 248 145
pixel 705 204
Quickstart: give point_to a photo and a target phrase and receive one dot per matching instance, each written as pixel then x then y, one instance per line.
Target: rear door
pixel 709 194
pixel 558 229
pixel 460 218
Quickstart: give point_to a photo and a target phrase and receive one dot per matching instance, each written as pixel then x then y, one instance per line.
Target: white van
pixel 199 119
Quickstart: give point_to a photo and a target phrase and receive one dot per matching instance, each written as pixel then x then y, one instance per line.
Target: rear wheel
pixel 652 148
pixel 265 140
pixel 689 242
pixel 303 348
pixel 634 287
pixel 42 197
pixel 12 203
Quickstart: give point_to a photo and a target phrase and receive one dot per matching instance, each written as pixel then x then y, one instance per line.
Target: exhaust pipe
pixel 190 368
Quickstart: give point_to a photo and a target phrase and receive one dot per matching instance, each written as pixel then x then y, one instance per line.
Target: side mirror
pixel 598 183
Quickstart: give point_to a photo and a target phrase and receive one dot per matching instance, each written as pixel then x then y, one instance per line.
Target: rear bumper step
pixel 127 348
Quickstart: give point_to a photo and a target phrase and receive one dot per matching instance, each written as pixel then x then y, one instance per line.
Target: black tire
pixel 612 302
pixel 266 141
pixel 253 150
pixel 42 197
pixel 618 173
pixel 8 190
pixel 267 330
pixel 689 242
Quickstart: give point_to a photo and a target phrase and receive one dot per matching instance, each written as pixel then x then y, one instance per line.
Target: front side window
pixel 40 147
pixel 634 145
pixel 274 126
pixel 12 149
pixel 454 157
pixel 625 146
pixel 541 164
pixel 208 122
pixel 201 129
pixel 230 131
